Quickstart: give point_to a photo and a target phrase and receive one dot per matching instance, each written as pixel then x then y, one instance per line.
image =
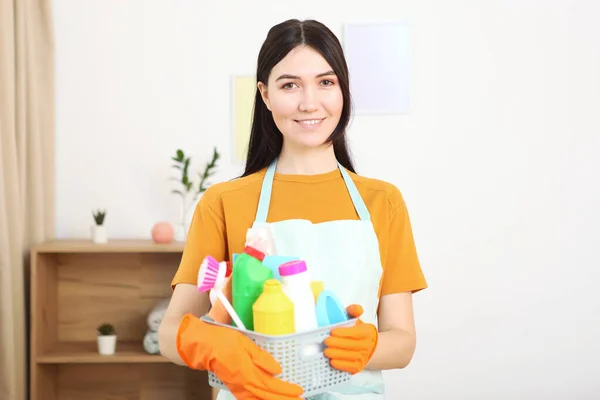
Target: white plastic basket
pixel 300 356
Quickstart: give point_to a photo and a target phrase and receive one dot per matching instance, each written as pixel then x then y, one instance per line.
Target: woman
pixel 299 182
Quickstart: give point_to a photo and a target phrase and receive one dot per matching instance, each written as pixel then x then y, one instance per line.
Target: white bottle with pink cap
pixel 296 286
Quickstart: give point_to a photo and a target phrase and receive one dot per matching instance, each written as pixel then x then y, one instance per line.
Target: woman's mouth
pixel 310 123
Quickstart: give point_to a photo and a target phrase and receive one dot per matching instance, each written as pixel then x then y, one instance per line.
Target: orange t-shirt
pixel 228 209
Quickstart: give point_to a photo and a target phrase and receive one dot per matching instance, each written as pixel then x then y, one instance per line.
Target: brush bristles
pixel 207 275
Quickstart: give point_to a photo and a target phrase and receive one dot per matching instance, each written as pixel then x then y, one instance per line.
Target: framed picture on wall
pixel 379 61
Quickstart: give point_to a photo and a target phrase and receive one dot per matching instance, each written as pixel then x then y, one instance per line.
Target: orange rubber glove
pixel 350 349
pixel 247 370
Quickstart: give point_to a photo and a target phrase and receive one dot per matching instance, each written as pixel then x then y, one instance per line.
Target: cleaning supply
pixel 218 312
pixel 273 262
pixel 248 277
pixel 329 309
pixel 260 239
pixel 296 286
pixel 264 233
pixel 246 369
pixel 273 311
pixel 211 272
pixel 317 287
pixel 258 243
pixel 350 349
pixel 224 273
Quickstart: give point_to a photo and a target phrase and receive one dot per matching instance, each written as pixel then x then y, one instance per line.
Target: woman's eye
pixel 287 85
pixel 327 82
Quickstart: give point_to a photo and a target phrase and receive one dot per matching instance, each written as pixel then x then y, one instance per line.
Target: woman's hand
pixel 350 349
pixel 247 370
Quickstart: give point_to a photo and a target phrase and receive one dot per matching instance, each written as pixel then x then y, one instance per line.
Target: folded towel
pixel 151 342
pixel 156 314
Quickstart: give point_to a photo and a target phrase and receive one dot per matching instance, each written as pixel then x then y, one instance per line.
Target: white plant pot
pixel 180 233
pixel 99 234
pixel 107 344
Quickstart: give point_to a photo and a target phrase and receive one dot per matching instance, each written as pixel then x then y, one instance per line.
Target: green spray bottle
pixel 247 281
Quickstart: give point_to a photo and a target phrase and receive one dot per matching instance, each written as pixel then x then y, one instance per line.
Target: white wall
pixel 497 161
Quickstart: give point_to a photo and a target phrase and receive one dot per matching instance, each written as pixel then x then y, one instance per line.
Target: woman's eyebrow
pixel 288 76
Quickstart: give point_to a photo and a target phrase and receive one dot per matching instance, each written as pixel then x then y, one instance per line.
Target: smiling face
pixel 304 97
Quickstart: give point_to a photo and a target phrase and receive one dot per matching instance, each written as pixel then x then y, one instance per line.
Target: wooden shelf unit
pixel 77 285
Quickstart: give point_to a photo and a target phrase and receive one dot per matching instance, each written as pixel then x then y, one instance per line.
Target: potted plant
pixel 107 339
pixel 188 189
pixel 99 229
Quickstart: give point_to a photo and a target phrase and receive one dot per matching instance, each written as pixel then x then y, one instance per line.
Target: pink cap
pixel 292 268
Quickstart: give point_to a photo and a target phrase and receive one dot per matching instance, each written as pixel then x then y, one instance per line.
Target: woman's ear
pixel 264 94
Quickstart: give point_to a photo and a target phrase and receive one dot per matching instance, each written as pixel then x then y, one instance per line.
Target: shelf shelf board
pixel 87 353
pixel 113 246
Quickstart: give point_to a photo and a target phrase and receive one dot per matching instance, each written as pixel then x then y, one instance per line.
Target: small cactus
pixel 99 216
pixel 106 330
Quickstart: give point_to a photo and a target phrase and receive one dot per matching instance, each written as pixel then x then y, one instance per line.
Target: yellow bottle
pixel 273 311
pixel 317 287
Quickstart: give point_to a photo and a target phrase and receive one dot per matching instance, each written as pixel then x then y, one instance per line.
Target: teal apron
pixel 345 255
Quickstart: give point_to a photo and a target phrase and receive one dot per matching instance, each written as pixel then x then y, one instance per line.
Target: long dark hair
pixel 265 138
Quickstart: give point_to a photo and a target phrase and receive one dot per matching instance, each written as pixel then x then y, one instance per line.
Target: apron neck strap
pixel 265 193
pixel 359 204
pixel 267 187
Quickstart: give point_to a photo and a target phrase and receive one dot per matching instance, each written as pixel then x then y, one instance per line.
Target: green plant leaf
pixel 99 216
pixel 183 164
pixel 106 329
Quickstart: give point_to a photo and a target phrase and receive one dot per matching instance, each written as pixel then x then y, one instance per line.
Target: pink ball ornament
pixel 163 233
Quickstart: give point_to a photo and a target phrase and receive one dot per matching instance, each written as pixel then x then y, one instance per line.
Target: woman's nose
pixel 309 101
